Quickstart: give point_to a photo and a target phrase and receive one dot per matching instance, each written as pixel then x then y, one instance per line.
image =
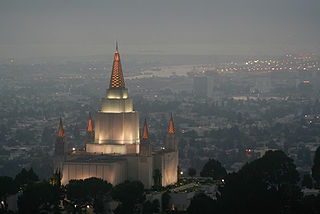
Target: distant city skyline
pixel 37 28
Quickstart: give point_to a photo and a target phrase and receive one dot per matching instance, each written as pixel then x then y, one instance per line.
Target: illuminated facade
pixel 113 150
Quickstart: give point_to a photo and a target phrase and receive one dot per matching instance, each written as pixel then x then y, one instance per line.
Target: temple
pixel 113 150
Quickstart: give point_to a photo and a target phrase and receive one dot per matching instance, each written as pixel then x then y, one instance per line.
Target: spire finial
pixel 90 128
pixel 117 46
pixel 171 126
pixel 60 132
pixel 145 134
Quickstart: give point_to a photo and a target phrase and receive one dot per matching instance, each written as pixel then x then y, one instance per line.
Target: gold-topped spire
pixel 171 126
pixel 60 132
pixel 117 80
pixel 145 134
pixel 90 127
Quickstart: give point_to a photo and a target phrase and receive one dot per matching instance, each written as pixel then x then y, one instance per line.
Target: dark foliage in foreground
pixel 266 185
pixel 90 191
pixel 269 182
pixel 40 198
pixel 213 169
pixel 201 203
pixel 130 194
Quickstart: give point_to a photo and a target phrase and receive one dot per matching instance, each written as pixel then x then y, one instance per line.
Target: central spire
pixel 117 80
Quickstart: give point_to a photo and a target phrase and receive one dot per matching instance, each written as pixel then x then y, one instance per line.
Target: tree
pixel 165 201
pixel 213 169
pixel 308 204
pixel 316 167
pixel 55 179
pixel 130 194
pixel 7 187
pixel 157 178
pixel 307 181
pixel 98 188
pixel 147 207
pixel 201 203
pixel 156 206
pixel 26 177
pixel 192 172
pixel 77 193
pixel 151 207
pixel 270 182
pixel 89 191
pixel 40 198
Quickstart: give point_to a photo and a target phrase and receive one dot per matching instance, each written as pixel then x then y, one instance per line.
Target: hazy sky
pixel 85 27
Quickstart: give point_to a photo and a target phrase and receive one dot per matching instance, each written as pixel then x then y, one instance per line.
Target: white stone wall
pixel 146 171
pixel 116 105
pixel 117 128
pixel 167 163
pixel 133 167
pixel 171 142
pixel 113 172
pixel 169 168
pixel 112 149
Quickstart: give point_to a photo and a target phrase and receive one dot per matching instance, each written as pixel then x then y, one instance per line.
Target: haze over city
pixel 37 28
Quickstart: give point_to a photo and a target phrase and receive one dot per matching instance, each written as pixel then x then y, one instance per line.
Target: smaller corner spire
pixel 171 126
pixel 145 134
pixel 90 127
pixel 60 132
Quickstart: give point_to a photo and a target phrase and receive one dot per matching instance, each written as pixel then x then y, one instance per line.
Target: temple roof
pixel 171 126
pixel 90 127
pixel 145 134
pixel 117 80
pixel 60 132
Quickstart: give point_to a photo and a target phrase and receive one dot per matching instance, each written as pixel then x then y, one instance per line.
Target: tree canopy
pixel 157 177
pixel 7 187
pixel 214 169
pixel 269 183
pixel 26 177
pixel 165 199
pixel 151 207
pixel 89 191
pixel 39 198
pixel 201 203
pixel 129 194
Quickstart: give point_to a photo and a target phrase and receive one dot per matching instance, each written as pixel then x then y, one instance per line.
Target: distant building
pixel 262 151
pixel 200 86
pixel 113 150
